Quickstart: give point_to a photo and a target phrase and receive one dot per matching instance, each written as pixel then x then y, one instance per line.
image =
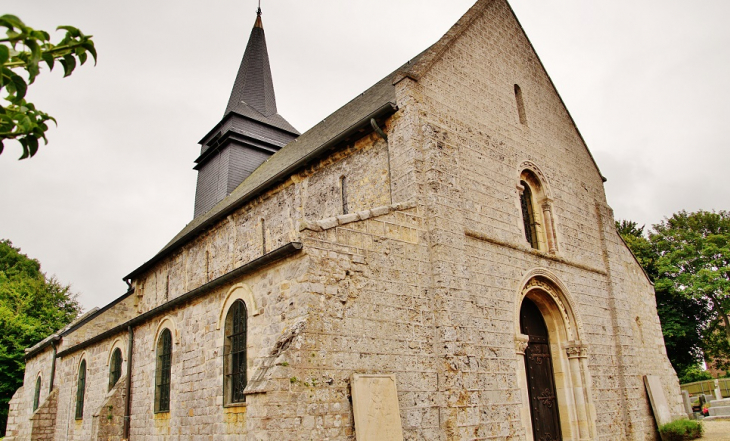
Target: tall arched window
pixel 528 215
pixel 37 394
pixel 115 368
pixel 162 372
pixel 234 360
pixel 537 213
pixel 81 390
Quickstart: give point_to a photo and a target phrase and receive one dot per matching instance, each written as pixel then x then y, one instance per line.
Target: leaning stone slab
pixel 375 408
pixel 658 401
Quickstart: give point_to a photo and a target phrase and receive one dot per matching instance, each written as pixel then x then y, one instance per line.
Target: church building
pixel 436 260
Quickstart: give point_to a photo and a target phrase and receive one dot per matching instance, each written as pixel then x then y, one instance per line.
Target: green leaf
pixel 69 64
pixel 4 54
pixel 48 58
pixel 20 86
pixel 32 145
pixel 1 146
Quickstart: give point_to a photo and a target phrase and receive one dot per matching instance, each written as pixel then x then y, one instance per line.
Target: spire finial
pixel 258 11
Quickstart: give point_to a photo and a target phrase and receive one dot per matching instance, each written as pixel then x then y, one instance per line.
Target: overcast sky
pixel 646 82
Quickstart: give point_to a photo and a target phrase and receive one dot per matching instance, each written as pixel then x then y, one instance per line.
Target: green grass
pixel 681 430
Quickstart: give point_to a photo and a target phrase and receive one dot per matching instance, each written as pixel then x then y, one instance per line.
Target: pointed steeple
pixel 254 86
pixel 251 129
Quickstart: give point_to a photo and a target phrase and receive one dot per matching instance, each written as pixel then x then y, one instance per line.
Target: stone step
pixel 719 411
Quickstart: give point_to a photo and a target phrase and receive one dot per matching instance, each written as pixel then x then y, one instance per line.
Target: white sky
pixel 646 82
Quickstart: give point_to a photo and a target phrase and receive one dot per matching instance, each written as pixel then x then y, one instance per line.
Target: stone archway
pixel 568 356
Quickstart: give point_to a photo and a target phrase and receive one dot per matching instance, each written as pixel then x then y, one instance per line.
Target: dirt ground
pixel 716 430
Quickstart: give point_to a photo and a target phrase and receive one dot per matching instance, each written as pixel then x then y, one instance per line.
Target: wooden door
pixel 540 377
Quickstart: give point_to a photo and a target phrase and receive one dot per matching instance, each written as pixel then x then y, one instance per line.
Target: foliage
pixel 32 306
pixel 681 317
pixel 23 50
pixel 692 374
pixel 681 430
pixel 694 262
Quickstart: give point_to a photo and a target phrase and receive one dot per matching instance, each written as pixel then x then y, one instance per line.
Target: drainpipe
pixel 127 396
pixel 53 363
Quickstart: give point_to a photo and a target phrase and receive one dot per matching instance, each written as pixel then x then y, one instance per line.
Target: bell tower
pixel 251 129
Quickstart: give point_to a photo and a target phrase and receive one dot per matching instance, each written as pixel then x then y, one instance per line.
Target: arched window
pixel 162 372
pixel 115 368
pixel 37 393
pixel 528 215
pixel 80 390
pixel 234 360
pixel 537 216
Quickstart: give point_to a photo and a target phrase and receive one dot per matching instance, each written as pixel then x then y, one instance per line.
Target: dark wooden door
pixel 540 377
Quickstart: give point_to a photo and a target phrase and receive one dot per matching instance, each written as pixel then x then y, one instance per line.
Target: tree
pixel 32 306
pixel 694 262
pixel 681 317
pixel 22 50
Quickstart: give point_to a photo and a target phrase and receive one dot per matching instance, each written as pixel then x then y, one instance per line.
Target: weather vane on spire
pixel 258 12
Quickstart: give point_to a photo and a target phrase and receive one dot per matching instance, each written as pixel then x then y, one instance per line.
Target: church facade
pixel 447 230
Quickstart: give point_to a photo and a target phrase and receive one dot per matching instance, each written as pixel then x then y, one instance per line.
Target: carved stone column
pixel 521 341
pixel 549 230
pixel 577 351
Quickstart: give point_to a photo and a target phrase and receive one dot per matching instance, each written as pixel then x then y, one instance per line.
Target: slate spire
pixel 254 86
pixel 249 133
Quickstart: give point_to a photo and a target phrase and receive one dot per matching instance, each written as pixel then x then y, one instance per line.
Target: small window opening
pixel 520 105
pixel 528 215
pixel 343 186
pixel 115 368
pixel 80 391
pixel 263 236
pixel 37 394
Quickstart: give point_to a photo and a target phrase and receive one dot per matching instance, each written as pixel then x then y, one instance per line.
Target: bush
pixel 681 430
pixel 692 374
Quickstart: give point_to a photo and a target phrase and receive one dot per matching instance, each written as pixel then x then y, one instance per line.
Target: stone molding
pixel 343 219
pixel 169 323
pixel 521 341
pixel 526 248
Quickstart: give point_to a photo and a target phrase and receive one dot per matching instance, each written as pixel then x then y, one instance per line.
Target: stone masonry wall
pixel 43 421
pixel 473 151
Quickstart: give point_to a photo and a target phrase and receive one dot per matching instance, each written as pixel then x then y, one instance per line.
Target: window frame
pixel 163 371
pixel 235 353
pixel 80 391
pixel 37 394
pixel 115 367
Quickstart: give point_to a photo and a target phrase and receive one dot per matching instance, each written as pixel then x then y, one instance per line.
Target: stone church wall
pixel 422 277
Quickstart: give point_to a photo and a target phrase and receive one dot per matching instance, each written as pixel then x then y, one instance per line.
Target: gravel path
pixel 716 430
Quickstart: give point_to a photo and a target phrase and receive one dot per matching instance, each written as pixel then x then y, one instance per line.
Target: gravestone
pixel 687 403
pixel 375 408
pixel 658 401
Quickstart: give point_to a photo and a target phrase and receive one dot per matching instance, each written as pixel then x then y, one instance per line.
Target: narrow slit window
pixel 163 371
pixel 343 187
pixel 520 105
pixel 263 236
pixel 37 394
pixel 80 391
pixel 235 357
pixel 528 215
pixel 115 368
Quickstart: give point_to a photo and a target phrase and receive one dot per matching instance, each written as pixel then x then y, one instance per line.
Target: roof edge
pixel 417 70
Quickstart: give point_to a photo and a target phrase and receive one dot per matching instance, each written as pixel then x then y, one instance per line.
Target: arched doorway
pixel 552 362
pixel 540 376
